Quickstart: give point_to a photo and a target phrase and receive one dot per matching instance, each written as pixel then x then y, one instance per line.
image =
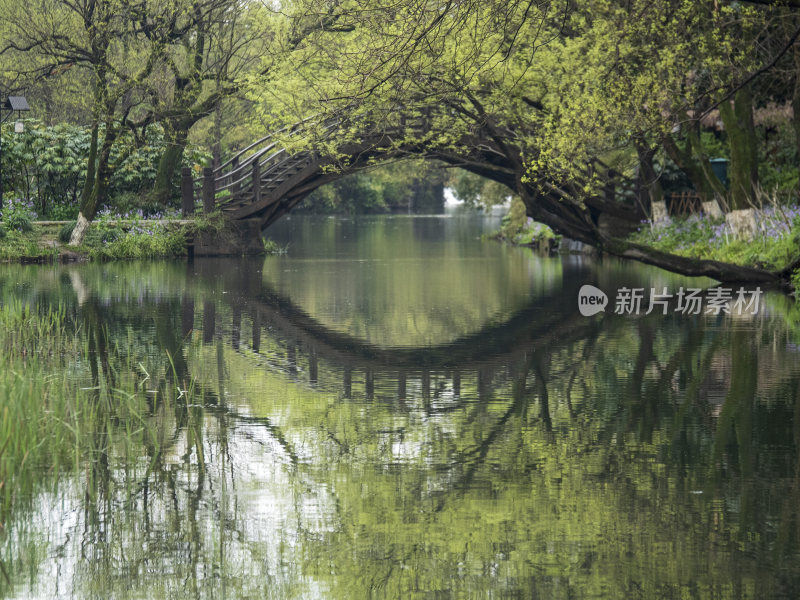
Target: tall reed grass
pixel 67 402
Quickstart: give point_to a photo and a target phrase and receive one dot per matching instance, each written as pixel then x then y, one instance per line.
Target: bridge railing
pixel 250 170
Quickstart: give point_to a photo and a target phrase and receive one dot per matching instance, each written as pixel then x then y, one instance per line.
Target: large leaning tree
pixel 543 96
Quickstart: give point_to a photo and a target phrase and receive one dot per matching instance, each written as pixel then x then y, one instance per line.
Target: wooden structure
pixel 684 204
pixel 267 179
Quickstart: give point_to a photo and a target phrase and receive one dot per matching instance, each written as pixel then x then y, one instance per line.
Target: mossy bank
pixel 111 239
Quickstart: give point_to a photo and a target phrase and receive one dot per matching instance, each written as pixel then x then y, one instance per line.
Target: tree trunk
pixel 741 130
pixel 648 177
pixel 167 176
pixel 91 165
pixel 99 191
pixel 216 148
pixel 796 101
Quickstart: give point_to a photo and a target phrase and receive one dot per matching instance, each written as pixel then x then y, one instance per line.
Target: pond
pixel 395 408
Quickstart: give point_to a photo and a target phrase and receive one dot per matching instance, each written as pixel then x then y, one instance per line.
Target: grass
pixel 157 241
pixel 18 245
pixel 58 406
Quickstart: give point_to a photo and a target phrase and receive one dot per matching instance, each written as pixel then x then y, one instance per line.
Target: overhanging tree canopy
pixel 552 84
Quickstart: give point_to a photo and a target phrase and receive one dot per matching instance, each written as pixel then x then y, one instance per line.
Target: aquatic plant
pixel 59 396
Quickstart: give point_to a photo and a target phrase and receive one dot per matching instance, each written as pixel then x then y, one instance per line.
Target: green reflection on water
pixel 561 457
pixel 405 282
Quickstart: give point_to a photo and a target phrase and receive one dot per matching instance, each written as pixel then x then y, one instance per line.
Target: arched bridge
pixel 265 180
pixel 271 176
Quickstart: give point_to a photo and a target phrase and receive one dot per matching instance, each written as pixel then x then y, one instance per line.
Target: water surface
pixel 397 409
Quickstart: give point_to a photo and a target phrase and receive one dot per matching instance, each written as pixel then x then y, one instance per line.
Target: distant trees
pixel 406 186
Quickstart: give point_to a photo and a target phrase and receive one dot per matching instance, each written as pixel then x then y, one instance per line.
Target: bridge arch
pixel 266 180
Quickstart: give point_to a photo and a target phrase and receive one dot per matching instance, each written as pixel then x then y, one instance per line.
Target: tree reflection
pixel 613 458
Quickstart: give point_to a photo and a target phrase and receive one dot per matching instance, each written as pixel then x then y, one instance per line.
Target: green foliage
pixel 16 245
pixel 17 215
pixel 795 282
pixel 475 190
pixel 778 171
pixel 147 241
pixel 2 232
pixel 65 233
pixel 47 166
pixel 102 232
pixel 515 220
pixel 273 247
pixel 213 223
pixel 356 193
pixel 390 187
pixel 520 229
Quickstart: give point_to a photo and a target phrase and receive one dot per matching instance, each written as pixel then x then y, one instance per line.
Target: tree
pixel 198 71
pixel 122 45
pixel 98 36
pixel 532 94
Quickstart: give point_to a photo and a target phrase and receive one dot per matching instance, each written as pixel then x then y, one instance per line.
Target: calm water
pixel 396 409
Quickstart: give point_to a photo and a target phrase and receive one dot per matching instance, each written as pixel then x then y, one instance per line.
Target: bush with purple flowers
pixel 776 244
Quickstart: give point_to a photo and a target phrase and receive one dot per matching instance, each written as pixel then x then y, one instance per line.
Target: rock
pixel 660 214
pixel 712 209
pixel 742 223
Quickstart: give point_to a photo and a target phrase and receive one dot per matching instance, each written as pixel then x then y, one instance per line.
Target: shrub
pixel 272 247
pixel 20 222
pixel 62 212
pixel 65 233
pixel 102 232
pixel 18 215
pixel 140 243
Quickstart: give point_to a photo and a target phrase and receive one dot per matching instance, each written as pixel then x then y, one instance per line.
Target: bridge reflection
pixel 251 311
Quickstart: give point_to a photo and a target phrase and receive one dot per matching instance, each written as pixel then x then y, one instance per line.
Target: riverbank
pixel 772 245
pixel 108 239
pixel 768 250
